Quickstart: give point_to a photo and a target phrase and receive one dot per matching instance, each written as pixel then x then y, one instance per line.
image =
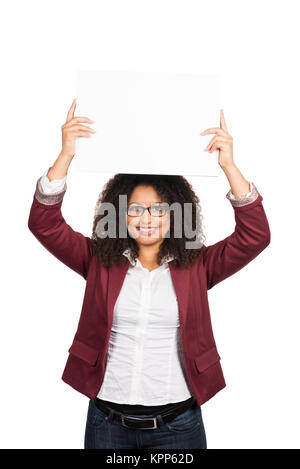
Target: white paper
pixel 148 122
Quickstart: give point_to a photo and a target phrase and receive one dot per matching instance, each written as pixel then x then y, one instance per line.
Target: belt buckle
pixel 136 418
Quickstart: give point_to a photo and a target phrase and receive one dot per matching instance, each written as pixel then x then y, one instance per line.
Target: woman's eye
pixel 135 209
pixel 159 209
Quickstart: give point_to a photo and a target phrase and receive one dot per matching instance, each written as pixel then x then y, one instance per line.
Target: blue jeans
pixel 185 431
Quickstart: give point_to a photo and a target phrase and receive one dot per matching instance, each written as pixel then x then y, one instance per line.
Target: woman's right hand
pixel 72 129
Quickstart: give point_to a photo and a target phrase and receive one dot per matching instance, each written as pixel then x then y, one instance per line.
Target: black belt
pixel 145 423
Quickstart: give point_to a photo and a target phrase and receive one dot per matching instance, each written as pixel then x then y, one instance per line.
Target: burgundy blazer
pixel 86 363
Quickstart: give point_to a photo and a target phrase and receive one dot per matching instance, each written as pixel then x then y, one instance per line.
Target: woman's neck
pixel 148 256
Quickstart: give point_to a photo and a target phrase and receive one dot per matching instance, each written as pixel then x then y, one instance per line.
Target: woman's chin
pixel 146 239
pixel 147 242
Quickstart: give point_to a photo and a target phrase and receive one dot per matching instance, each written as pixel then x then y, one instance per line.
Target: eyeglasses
pixel 156 210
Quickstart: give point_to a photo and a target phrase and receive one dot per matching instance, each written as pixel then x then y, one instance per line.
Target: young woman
pixel 144 351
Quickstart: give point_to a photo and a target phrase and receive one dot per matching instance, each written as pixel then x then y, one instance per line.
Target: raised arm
pixel 46 221
pixel 47 224
pixel 252 232
pixel 250 237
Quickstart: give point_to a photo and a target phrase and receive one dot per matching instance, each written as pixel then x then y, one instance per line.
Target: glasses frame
pixel 144 208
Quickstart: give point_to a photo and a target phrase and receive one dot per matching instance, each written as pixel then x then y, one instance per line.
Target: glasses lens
pixel 135 210
pixel 158 210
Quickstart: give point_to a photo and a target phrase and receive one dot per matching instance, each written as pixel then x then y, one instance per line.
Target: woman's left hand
pixel 222 141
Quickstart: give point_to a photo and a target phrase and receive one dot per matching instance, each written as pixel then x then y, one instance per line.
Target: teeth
pixel 146 230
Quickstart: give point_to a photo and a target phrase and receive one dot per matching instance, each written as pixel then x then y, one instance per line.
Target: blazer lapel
pixel 116 277
pixel 181 281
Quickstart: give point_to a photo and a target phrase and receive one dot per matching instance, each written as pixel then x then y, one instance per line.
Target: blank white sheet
pixel 147 122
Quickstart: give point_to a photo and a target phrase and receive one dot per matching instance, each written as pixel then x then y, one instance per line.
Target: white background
pixel 255 313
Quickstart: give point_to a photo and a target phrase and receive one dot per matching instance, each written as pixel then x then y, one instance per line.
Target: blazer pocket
pixel 206 359
pixel 84 352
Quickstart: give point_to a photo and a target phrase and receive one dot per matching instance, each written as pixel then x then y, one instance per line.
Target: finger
pixel 76 120
pixel 82 127
pixel 217 145
pixel 210 143
pixel 222 121
pixel 215 130
pixel 82 133
pixel 216 140
pixel 82 119
pixel 70 114
pixel 212 149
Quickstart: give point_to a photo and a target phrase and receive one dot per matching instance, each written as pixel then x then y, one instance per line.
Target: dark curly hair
pixel 108 251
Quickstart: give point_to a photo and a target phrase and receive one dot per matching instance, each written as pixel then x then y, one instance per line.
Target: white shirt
pixel 144 363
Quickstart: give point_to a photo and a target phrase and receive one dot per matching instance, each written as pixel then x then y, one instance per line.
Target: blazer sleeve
pixel 250 237
pixel 47 224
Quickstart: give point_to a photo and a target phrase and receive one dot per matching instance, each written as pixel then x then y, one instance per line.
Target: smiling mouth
pixel 147 231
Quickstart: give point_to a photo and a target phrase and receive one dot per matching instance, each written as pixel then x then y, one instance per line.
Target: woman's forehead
pixel 144 194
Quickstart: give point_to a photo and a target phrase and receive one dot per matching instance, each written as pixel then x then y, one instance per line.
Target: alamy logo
pixel 108 224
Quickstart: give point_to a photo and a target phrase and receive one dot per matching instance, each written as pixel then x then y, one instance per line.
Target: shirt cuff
pixel 51 187
pixel 47 195
pixel 243 199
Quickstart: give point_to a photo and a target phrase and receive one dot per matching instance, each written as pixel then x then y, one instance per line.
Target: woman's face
pixel 146 196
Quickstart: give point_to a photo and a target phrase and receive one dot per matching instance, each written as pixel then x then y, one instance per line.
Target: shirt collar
pixel 127 253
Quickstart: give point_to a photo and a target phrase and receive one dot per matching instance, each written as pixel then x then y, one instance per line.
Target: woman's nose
pixel 146 217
